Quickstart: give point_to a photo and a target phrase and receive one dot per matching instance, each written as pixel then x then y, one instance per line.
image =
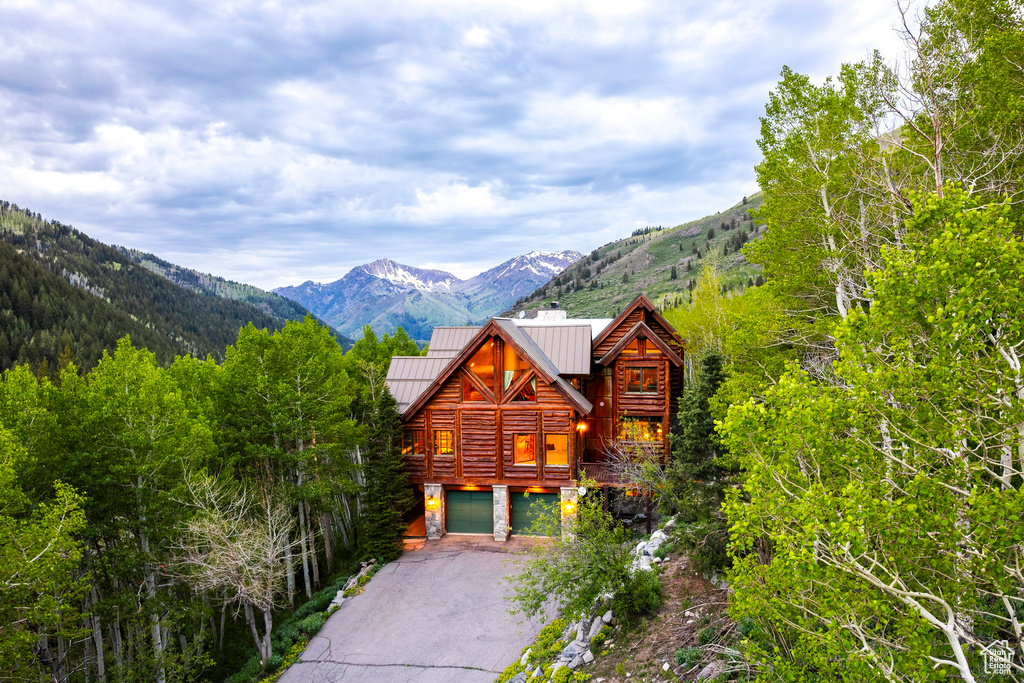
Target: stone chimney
pixel 553 313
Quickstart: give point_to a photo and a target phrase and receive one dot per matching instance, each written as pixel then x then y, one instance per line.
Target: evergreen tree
pixel 696 480
pixel 386 496
pixel 673 275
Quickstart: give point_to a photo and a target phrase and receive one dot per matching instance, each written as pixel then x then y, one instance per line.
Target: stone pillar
pixel 501 516
pixel 433 501
pixel 568 505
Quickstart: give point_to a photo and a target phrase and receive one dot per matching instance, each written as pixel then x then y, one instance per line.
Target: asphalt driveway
pixel 437 614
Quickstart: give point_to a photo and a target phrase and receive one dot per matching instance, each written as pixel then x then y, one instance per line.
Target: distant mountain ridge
pixel 386 294
pixel 67 297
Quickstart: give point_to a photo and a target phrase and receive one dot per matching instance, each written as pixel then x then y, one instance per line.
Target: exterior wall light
pixel 581 427
pixel 568 507
pixel 431 502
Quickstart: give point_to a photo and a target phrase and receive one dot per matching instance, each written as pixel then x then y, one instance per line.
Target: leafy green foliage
pixel 877 509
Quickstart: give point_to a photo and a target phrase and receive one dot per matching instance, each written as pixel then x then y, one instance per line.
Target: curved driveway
pixel 437 614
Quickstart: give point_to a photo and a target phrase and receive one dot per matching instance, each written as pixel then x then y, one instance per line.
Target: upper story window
pixel 414 442
pixel 634 348
pixel 524 449
pixel 444 443
pixel 482 365
pixel 556 450
pixel 641 380
pixel 470 392
pixel 514 367
pixel 528 393
pixel 641 428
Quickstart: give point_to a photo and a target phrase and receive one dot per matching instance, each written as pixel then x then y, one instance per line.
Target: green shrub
pixel 706 635
pixel 639 595
pixel 510 671
pixel 687 656
pixel 311 624
pixel 746 626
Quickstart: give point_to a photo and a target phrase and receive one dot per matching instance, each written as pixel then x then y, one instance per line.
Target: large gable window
pixel 482 365
pixel 514 366
pixel 641 380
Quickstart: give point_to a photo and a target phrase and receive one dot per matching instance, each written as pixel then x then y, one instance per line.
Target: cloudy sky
pixel 275 142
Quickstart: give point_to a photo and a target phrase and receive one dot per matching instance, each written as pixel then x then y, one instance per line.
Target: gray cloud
pixel 272 144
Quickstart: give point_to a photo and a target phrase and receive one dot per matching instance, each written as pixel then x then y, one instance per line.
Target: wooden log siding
pixel 619 332
pixel 479 439
pixel 518 422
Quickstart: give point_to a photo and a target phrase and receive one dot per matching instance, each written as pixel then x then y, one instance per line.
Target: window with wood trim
pixel 528 394
pixel 514 367
pixel 524 449
pixel 444 443
pixel 641 428
pixel 414 442
pixel 641 380
pixel 470 392
pixel 556 450
pixel 633 348
pixel 482 364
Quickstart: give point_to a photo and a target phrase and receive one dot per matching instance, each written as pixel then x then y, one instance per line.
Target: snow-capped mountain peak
pixel 408 277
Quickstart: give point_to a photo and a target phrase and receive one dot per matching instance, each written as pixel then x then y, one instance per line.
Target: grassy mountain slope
pixel 60 288
pixel 600 284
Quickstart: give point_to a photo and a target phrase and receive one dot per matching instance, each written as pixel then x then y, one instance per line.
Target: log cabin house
pixel 497 415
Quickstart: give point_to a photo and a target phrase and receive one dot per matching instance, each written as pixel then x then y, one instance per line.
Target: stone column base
pixel 434 503
pixel 502 528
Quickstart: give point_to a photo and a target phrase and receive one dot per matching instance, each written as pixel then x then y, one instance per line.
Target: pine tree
pixel 387 495
pixel 696 480
pixel 673 275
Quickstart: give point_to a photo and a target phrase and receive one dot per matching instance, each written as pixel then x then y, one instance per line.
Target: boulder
pixel 607 618
pixel 645 563
pixel 518 678
pixel 711 671
pixel 588 657
pixel 526 657
pixel 581 631
pixel 538 673
pixel 576 663
pixel 595 628
pixel 572 650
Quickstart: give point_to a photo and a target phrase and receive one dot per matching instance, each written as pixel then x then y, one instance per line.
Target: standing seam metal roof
pixel 567 346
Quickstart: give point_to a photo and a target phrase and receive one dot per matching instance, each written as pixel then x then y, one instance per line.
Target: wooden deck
pixel 417 529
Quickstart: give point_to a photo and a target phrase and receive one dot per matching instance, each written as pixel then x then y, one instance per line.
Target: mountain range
pixel 387 295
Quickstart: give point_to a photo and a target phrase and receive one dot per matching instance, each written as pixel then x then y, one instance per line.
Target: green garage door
pixel 470 512
pixel 524 512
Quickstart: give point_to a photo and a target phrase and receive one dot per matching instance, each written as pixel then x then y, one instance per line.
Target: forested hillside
pixel 211 285
pixel 663 263
pixel 66 296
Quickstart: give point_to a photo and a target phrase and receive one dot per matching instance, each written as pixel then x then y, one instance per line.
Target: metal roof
pixel 446 342
pixel 409 376
pixel 567 346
